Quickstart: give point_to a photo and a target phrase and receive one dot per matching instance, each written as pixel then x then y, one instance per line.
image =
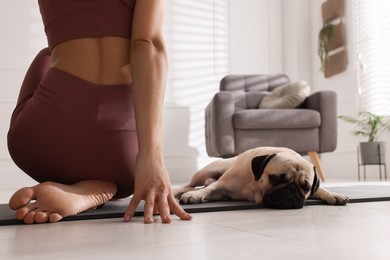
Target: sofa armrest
pixel 219 125
pixel 325 102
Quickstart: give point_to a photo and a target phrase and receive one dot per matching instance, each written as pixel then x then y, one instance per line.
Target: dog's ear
pixel 259 163
pixel 316 182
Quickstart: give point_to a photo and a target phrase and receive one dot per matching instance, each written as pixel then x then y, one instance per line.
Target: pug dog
pixel 277 177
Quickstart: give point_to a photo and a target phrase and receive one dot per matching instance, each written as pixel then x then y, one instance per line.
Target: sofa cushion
pixel 287 96
pixel 276 119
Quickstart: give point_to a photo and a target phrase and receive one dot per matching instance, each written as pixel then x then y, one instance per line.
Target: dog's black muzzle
pixel 285 197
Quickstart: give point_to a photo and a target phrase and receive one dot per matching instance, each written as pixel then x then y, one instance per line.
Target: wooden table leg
pixel 315 159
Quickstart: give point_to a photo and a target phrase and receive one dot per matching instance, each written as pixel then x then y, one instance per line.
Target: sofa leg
pixel 315 159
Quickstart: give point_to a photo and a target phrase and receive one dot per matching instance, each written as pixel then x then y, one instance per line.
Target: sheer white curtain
pixel 373 53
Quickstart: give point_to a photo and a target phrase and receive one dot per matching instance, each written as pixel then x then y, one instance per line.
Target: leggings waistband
pixel 67 99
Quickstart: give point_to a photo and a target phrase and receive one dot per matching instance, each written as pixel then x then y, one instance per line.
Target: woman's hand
pixel 152 184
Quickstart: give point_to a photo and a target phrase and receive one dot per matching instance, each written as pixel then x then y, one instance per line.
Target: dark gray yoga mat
pixel 116 209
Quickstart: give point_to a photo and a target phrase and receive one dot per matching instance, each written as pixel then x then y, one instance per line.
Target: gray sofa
pixel 234 123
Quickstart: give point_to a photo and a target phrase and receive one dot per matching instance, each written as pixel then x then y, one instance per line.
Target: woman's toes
pixel 29 218
pixel 22 212
pixel 54 217
pixel 41 217
pixel 21 198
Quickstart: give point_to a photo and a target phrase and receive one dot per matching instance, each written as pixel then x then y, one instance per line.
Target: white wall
pixel 301 24
pixel 256 36
pixel 22 37
pixel 297 46
pixel 343 162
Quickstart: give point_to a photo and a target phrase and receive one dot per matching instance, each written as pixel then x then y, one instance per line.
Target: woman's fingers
pixel 163 208
pixel 149 208
pixel 163 204
pixel 177 209
pixel 129 213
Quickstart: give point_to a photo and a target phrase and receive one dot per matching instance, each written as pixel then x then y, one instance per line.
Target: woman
pixel 88 121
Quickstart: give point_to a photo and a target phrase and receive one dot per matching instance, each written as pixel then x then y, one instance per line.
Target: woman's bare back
pixel 97 60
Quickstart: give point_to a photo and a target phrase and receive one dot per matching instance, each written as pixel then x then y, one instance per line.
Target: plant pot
pixel 372 152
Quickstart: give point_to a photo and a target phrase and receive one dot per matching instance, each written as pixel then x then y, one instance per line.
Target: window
pixel 373 53
pixel 197 33
pixel 198 37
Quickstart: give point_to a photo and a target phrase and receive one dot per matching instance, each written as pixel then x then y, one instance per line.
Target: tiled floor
pixel 356 231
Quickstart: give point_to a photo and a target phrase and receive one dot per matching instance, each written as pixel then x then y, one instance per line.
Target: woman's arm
pixel 148 61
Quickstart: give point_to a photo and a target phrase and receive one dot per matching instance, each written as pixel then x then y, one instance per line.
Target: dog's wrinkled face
pixel 288 179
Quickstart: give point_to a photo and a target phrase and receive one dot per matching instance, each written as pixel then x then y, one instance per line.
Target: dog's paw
pixel 179 191
pixel 191 197
pixel 334 198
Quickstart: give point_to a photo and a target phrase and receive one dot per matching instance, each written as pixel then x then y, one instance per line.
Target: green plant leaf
pixel 324 40
pixel 369 125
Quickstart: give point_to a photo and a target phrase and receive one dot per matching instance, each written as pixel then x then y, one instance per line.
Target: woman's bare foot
pixel 50 201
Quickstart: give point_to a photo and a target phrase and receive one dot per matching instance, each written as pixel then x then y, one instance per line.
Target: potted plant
pixel 370 126
pixel 324 40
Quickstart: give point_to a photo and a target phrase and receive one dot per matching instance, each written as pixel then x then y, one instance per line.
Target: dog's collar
pixel 316 182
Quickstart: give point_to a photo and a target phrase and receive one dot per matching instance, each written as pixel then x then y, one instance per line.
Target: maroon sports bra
pixel 72 19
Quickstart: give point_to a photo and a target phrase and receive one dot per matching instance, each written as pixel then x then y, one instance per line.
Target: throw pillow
pixel 286 96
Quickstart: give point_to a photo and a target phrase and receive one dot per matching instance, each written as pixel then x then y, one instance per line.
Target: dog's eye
pixel 277 179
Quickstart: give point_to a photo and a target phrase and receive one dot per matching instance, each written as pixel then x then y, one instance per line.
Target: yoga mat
pixel 116 209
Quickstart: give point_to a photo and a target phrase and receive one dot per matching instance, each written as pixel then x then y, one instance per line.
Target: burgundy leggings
pixel 65 129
